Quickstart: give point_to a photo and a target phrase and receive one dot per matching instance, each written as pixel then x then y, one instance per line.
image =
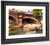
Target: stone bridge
pixel 21 18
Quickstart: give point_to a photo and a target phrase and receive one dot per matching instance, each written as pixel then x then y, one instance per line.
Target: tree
pixel 37 13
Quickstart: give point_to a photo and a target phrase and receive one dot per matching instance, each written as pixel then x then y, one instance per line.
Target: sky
pixel 25 8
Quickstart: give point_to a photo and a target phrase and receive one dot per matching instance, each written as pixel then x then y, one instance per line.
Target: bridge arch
pixel 30 19
pixel 14 18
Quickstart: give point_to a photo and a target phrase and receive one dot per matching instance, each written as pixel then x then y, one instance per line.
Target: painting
pixel 25 21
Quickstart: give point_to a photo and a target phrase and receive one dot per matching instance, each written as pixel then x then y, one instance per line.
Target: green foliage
pixel 37 12
pixel 15 31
